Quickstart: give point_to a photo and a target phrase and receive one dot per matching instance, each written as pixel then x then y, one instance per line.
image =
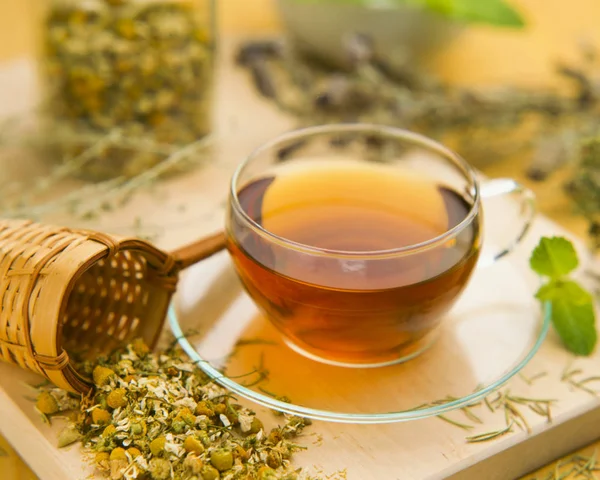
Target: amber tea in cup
pixel 355 249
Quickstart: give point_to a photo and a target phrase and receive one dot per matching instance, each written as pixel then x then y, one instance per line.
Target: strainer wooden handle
pixel 63 288
pixel 199 250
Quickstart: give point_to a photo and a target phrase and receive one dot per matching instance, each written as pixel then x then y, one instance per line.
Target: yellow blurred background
pixel 483 55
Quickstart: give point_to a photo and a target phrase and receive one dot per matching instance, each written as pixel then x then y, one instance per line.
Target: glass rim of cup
pixel 405 135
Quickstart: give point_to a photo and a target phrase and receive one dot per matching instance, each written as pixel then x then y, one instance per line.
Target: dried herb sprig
pixel 504 403
pixel 383 90
pixel 89 201
pixel 530 380
pixel 572 376
pixel 171 422
pixel 456 423
pixel 575 466
pixel 584 185
pixel 484 437
pixel 545 128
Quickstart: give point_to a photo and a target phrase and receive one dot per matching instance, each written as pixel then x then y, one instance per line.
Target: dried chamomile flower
pixel 139 347
pixel 101 416
pixel 193 463
pixel 102 375
pixel 134 452
pixel 256 425
pixel 275 436
pixel 51 401
pixel 204 408
pixel 274 459
pixel 46 404
pixel 138 428
pixel 183 421
pixel 192 444
pixel 117 398
pixel 160 469
pixel 118 454
pixel 221 459
pixel 117 462
pixel 210 473
pixel 102 459
pixel 157 446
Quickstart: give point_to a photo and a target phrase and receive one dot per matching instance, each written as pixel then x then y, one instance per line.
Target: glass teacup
pixel 354 240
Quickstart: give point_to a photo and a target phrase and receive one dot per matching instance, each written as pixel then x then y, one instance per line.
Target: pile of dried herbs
pixel 139 68
pixel 157 416
pixel 578 466
pixel 584 186
pixel 545 128
pixel 391 92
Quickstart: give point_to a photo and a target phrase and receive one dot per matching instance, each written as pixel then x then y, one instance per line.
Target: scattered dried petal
pixel 70 434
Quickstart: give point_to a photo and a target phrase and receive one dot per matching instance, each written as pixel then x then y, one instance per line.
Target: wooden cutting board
pixel 424 449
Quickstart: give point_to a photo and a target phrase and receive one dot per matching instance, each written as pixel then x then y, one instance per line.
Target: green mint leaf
pixel 494 12
pixel 556 289
pixel 554 257
pixel 575 323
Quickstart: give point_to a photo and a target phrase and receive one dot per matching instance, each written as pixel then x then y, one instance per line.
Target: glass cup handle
pixel 503 187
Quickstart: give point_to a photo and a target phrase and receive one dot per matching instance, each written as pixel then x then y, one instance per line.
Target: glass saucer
pixel 492 332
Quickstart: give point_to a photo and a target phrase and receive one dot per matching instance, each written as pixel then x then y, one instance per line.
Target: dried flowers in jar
pixel 157 416
pixel 141 68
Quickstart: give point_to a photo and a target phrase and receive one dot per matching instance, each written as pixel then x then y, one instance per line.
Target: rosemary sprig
pixel 281 398
pixel 530 380
pixel 456 423
pixel 568 373
pixel 570 376
pixel 88 201
pixel 261 371
pixel 575 466
pixel 504 403
pixel 470 415
pixel 516 417
pixel 419 407
pixel 487 403
pixel 484 437
pixel 121 194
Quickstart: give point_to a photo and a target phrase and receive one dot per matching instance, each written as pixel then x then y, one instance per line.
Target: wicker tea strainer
pixel 63 288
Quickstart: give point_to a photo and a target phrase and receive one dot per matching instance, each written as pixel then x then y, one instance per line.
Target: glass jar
pixel 134 75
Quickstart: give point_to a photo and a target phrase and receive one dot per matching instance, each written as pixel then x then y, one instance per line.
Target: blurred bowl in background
pixel 320 29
